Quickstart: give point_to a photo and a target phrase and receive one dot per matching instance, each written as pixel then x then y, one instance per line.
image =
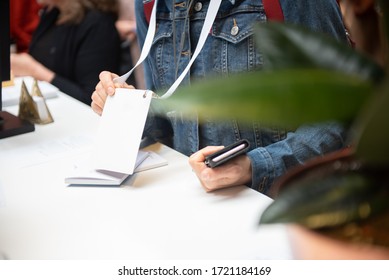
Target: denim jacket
pixel 226 51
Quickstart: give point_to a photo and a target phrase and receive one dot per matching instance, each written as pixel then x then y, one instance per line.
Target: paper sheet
pixel 30 153
pixel 120 130
pixel 84 175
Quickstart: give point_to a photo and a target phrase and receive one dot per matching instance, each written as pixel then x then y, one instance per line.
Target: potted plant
pixel 342 197
pixel 338 205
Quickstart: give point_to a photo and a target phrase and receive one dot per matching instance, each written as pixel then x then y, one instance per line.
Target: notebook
pixel 116 153
pixel 82 176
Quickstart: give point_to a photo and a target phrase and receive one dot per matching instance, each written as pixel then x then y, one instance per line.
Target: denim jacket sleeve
pixel 270 162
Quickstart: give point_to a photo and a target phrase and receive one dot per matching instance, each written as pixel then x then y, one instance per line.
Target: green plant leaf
pixel 327 198
pixel 289 46
pixel 283 97
pixel 371 127
pixel 372 130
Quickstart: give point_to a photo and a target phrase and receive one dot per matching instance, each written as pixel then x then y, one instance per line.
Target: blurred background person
pixel 363 20
pixel 24 18
pixel 74 41
pixel 126 25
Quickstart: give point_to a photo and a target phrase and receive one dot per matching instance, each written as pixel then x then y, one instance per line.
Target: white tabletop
pixel 157 214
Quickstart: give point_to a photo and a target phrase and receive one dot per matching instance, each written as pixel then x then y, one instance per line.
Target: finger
pixel 125 85
pixel 196 160
pixel 96 108
pixel 129 86
pixel 106 80
pixel 233 173
pixel 212 179
pixel 99 87
pixel 99 97
pixel 201 154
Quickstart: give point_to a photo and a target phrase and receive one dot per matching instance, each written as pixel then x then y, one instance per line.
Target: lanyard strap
pixel 273 10
pixel 209 19
pixel 146 46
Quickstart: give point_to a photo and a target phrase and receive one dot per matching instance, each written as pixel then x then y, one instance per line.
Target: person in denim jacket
pixel 229 49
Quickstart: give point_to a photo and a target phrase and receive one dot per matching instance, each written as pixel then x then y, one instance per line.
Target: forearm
pixel 42 73
pixel 25 65
pixel 271 162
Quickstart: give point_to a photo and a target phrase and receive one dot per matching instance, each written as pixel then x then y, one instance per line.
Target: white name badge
pixel 120 130
pixel 124 114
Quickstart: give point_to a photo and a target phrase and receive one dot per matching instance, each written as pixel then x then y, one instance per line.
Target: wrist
pixel 43 74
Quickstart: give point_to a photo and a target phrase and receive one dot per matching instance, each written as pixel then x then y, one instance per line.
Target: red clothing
pixel 24 18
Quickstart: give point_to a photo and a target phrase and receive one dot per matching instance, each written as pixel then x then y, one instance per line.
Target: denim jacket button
pixel 198 6
pixel 234 30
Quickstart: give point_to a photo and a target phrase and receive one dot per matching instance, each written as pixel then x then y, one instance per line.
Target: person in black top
pixel 75 41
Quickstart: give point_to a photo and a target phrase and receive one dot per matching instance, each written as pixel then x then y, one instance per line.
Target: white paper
pixel 83 175
pixel 2 197
pixel 120 130
pixel 152 161
pixel 41 107
pixel 45 150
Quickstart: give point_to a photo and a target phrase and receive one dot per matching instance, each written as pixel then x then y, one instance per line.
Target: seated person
pixel 72 44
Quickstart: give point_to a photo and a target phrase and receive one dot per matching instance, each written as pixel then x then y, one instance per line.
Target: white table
pixel 156 214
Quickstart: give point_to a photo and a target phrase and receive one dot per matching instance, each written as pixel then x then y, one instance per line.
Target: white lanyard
pixel 209 19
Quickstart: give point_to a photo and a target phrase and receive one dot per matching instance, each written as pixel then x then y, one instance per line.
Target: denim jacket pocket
pixel 233 40
pixel 236 27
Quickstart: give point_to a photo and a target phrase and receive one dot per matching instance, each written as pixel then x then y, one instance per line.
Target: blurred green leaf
pixel 371 127
pixel 338 195
pixel 372 130
pixel 284 97
pixel 329 199
pixel 312 78
pixel 287 46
